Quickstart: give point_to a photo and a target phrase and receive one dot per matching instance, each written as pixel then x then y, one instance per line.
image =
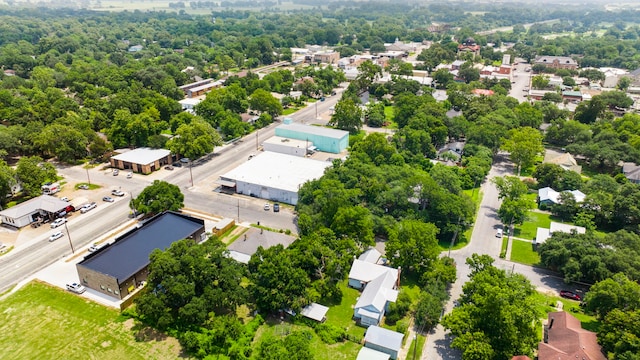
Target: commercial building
pixel 141 160
pixel 556 62
pixel 324 139
pixel 273 176
pixel 288 146
pixel 33 210
pixel 118 269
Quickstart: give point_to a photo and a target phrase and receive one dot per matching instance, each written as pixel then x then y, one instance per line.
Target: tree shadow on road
pixel 443 347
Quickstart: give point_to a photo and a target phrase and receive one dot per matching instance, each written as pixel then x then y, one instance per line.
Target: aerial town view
pixel 320 180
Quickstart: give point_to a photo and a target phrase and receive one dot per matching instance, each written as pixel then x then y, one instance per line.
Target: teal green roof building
pixel 322 138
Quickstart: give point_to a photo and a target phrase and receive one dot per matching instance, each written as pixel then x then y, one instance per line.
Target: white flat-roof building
pixel 542 234
pixel 287 146
pixel 189 104
pixel 274 176
pixel 141 160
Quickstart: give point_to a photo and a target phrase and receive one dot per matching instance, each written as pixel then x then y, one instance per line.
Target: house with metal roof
pixel 366 353
pixel 379 286
pixel 383 340
pixel 31 210
pixel 141 160
pixel 324 139
pixel 631 171
pixel 118 269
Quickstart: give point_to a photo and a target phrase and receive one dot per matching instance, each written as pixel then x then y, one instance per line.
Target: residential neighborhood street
pixel 484 241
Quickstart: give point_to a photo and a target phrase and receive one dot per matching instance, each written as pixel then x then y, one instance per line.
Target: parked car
pixel 64 198
pixel 55 236
pixel 108 199
pixel 76 288
pixel 96 246
pixel 185 160
pixel 267 206
pixel 251 156
pixel 58 222
pixel 570 295
pixel 168 167
pixel 117 193
pixel 129 175
pixel 499 233
pixel 87 207
pixel 177 164
pixel 116 172
pixel 276 207
pixel 84 187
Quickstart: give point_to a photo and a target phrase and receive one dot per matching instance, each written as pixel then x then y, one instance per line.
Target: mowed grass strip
pixel 523 252
pixel 43 322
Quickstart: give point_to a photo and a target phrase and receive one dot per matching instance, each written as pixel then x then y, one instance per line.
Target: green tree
pixel 617 292
pixel 506 299
pixel 524 145
pixel 158 197
pixel 262 100
pixel 540 82
pixel 355 222
pixel 510 187
pixel 619 334
pixel 514 211
pixel 347 116
pixel 187 283
pixel 276 282
pixel 7 180
pixel 33 172
pixel 413 245
pixel 195 139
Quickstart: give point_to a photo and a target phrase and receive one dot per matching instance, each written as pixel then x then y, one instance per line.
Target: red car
pixel 570 295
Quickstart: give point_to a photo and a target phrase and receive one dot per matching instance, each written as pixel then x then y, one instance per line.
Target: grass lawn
pixel 340 314
pixel 42 322
pixel 462 240
pixel 523 252
pixel 530 226
pixel 321 351
pixel 505 242
pixel 388 114
pixel 418 352
pixel 290 110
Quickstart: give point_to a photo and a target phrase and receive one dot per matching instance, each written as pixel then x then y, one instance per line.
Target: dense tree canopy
pixel 158 197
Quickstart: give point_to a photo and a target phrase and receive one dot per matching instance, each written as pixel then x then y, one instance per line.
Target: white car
pixel 97 246
pixel 55 236
pixel 58 222
pixel 267 206
pixel 87 207
pixel 64 198
pixel 117 192
pixel 129 175
pixel 76 288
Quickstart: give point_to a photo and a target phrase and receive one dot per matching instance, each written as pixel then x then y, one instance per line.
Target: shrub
pixel 330 334
pixel 402 326
pixel 398 309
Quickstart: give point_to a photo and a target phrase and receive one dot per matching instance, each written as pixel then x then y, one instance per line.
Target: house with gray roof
pixel 383 340
pixel 632 172
pixel 379 286
pixel 141 160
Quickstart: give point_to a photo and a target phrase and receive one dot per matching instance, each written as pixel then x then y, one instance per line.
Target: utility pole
pixel 190 172
pixel 455 234
pixel 238 210
pixel 88 179
pixel 69 237
pixel 257 140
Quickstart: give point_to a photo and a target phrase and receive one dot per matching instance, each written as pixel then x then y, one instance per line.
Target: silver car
pixel 58 222
pixel 87 207
pixel 55 236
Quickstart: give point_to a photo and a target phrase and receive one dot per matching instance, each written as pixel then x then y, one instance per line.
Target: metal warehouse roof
pixel 278 171
pixel 314 130
pixel 131 253
pixel 143 156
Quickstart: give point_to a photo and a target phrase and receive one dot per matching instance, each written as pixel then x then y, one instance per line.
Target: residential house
pixel 383 340
pixel 556 62
pixel 566 161
pixel 565 339
pixel 379 288
pixel 632 172
pixel 542 234
pixel 366 353
pixel 457 64
pixel 548 196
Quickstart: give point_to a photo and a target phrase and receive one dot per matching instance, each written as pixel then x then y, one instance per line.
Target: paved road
pixel 483 241
pixel 33 251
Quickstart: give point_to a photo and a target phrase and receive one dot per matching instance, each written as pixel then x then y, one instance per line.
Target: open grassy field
pixel 42 322
pixel 522 252
pixel 530 226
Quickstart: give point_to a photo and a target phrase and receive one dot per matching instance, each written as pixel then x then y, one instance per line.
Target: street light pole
pixel 69 237
pixel 88 178
pixel 190 172
pixel 257 140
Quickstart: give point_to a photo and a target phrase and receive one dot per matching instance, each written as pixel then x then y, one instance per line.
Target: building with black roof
pixel 119 268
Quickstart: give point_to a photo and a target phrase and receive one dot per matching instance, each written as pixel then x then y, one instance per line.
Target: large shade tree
pixel 158 197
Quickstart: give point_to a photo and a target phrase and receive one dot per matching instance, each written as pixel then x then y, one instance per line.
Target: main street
pixel 34 252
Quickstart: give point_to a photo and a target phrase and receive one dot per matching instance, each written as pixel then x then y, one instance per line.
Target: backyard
pixel 42 322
